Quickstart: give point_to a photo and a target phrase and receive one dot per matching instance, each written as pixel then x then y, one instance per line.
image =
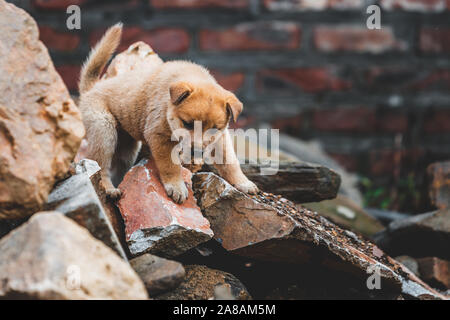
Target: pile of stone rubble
pixel 60 237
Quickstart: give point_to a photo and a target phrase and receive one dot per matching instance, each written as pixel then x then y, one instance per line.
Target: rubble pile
pixel 61 238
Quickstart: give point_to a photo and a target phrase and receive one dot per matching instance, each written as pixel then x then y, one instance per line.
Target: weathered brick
pixel 435 80
pixel 390 78
pixel 435 271
pixel 349 161
pixel 383 162
pixel 392 122
pixel 199 4
pixel 70 74
pixel 56 4
pixel 391 161
pixel 357 39
pixel 312 80
pixel 292 125
pixel 232 81
pixel 56 40
pixel 301 5
pixel 437 121
pixel 252 36
pixel 162 40
pixel 434 40
pixel 355 119
pixel 416 5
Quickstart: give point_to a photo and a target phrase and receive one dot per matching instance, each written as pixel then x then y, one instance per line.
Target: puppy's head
pixel 200 107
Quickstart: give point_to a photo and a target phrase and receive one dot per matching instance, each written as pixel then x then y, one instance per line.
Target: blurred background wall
pixel 378 100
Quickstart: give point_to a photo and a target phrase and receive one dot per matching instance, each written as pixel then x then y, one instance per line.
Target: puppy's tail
pixel 99 56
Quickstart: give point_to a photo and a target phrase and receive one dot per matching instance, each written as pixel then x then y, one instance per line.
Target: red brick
pixel 252 36
pixel 232 81
pixel 392 122
pixel 416 5
pixel 434 40
pixel 435 272
pixel 348 161
pixel 311 80
pixel 301 5
pixel 357 119
pixel 199 4
pixel 56 4
pixel 70 74
pixel 56 40
pixel 390 161
pixel 437 122
pixel 162 40
pixel 384 162
pixel 437 79
pixel 356 38
pixel 291 125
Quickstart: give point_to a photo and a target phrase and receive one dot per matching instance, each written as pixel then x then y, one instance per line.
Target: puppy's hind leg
pixel 125 156
pixel 101 134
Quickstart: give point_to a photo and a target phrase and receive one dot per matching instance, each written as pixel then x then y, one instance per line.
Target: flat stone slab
pixel 297 181
pixel 153 222
pixel 271 228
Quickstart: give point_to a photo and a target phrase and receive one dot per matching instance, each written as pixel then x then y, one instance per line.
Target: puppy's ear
pixel 179 91
pixel 234 108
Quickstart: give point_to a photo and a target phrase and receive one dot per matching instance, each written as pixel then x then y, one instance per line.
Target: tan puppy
pixel 148 105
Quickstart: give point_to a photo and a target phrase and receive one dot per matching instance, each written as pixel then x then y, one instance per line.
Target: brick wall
pixel 378 99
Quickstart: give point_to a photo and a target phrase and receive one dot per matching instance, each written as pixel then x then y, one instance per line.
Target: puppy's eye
pixel 188 125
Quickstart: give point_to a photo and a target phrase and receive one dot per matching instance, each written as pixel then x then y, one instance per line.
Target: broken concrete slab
pixel 203 283
pixel 271 228
pixel 52 257
pixel 158 274
pixel 76 198
pixel 153 222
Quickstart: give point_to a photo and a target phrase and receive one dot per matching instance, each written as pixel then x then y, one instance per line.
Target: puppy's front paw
pixel 177 191
pixel 247 187
pixel 113 193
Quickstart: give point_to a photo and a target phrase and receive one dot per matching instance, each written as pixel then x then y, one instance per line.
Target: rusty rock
pixel 153 222
pixel 271 228
pixel 158 274
pixel 76 198
pixel 439 174
pixel 40 126
pixel 51 257
pixel 203 283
